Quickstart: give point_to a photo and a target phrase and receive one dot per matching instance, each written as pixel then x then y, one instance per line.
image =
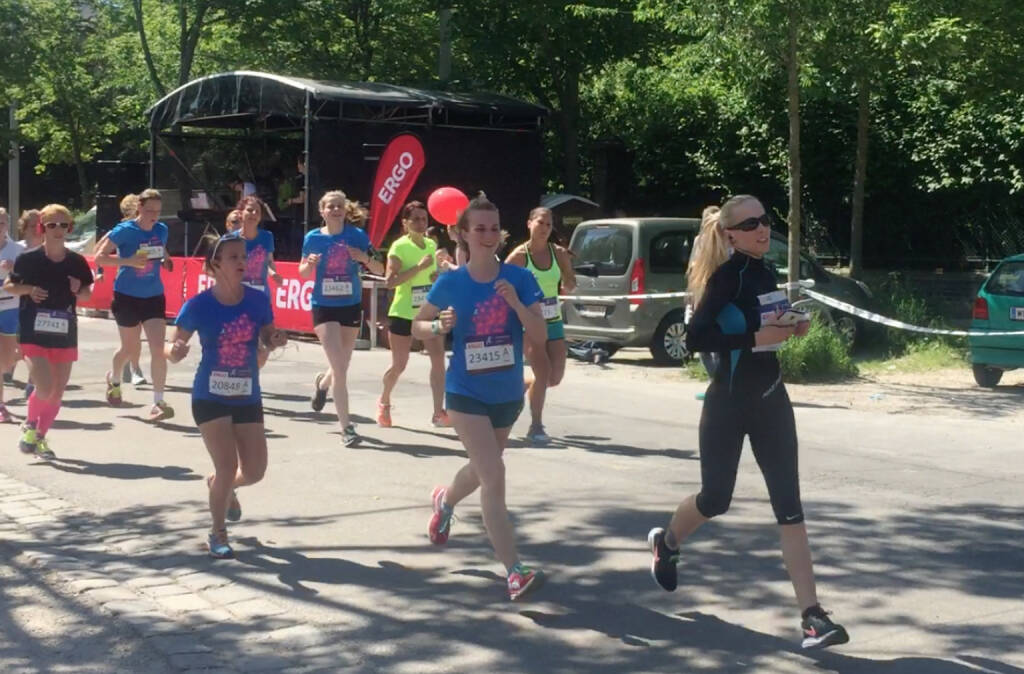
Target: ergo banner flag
pixel 399 167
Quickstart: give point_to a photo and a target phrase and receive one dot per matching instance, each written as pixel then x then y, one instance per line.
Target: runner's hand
pixel 358 255
pixel 313 258
pixel 447 320
pixel 802 327
pixel 75 284
pixel 507 292
pixel 278 338
pixel 276 278
pixel 136 261
pixel 168 264
pixel 6 266
pixel 772 334
pixel 38 294
pixel 426 262
pixel 179 350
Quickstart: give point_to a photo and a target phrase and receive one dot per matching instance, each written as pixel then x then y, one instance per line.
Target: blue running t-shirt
pixel 487 351
pixel 257 259
pixel 229 336
pixel 130 240
pixel 337 274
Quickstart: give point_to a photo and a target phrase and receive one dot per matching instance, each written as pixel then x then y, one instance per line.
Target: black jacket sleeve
pixel 703 333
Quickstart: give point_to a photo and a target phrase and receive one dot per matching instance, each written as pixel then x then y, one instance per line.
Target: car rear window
pixel 1008 279
pixel 608 248
pixel 670 252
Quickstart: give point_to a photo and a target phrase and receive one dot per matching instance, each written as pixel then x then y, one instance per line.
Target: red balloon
pixel 446 203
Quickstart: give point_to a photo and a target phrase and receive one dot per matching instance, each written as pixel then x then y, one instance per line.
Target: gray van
pixel 624 256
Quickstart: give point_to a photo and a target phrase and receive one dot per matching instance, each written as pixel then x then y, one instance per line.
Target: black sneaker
pixel 319 398
pixel 663 564
pixel 819 630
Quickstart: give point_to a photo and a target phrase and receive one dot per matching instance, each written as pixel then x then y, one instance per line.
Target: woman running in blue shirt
pixel 333 255
pixel 232 320
pixel 486 305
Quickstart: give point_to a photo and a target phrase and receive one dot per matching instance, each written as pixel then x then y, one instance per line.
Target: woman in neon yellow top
pixel 550 263
pixel 412 268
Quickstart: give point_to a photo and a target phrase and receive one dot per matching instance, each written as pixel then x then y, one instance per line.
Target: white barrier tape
pixel 893 323
pixel 639 296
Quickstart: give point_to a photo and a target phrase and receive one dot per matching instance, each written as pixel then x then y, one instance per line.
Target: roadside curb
pixel 194 618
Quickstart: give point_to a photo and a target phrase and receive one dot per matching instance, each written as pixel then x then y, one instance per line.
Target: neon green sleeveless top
pixel 548 280
pixel 411 294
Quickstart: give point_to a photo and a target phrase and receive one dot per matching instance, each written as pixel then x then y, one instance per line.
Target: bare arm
pixel 106 256
pixel 517 256
pixel 565 265
pixel 394 275
pixel 307 267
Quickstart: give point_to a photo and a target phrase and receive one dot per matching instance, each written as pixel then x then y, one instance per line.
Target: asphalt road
pixel 916 523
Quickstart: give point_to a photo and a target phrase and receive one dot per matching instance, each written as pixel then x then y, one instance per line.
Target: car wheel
pixel 987 376
pixel 669 342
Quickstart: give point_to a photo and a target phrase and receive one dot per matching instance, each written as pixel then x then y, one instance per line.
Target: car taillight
pixel 637 281
pixel 980 309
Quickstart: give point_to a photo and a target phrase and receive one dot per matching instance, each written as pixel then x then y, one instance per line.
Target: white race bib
pixel 52 322
pixel 336 287
pixel 550 308
pixel 152 252
pixel 231 383
pixel 419 296
pixel 489 354
pixel 255 286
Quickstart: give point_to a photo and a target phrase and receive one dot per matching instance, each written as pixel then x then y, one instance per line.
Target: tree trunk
pixel 189 38
pixel 860 177
pixel 569 122
pixel 147 54
pixel 793 89
pixel 83 180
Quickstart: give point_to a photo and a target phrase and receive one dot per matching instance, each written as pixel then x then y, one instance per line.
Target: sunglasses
pixel 750 224
pixel 55 225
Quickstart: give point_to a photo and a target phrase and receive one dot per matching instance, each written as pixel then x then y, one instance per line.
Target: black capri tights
pixel 769 422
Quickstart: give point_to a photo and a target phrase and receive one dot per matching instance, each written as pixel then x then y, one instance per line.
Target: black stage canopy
pixel 474 141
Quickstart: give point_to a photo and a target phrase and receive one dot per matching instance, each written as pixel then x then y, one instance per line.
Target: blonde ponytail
pixel 714 246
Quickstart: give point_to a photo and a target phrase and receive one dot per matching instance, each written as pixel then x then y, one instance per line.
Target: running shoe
pixel 5 415
pixel 383 415
pixel 537 436
pixel 819 630
pixel 43 450
pixel 521 580
pixel 349 437
pixel 160 411
pixel 319 398
pixel 138 379
pixel 113 392
pixel 441 520
pixel 217 542
pixel 441 420
pixel 663 563
pixel 234 508
pixel 29 438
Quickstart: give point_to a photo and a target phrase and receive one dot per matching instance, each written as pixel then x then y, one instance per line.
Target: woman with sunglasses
pixel 333 255
pixel 50 280
pixel 232 320
pixel 138 248
pixel 9 252
pixel 740 314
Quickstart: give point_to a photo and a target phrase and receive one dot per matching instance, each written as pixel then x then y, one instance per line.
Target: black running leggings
pixel 725 421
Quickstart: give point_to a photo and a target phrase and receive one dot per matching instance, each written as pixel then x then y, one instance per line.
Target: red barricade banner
pixel 290 300
pixel 400 165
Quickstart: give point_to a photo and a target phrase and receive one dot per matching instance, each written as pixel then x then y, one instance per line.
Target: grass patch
pixel 924 356
pixel 695 370
pixel 819 356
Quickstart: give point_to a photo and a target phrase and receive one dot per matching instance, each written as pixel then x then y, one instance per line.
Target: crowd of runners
pixel 497 315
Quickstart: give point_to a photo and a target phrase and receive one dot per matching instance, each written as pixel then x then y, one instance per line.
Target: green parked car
pixel 999 306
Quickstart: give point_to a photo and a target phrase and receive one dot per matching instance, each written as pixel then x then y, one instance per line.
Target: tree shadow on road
pixel 125 471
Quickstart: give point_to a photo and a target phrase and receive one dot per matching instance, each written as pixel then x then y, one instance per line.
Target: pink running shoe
pixel 441 520
pixel 522 580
